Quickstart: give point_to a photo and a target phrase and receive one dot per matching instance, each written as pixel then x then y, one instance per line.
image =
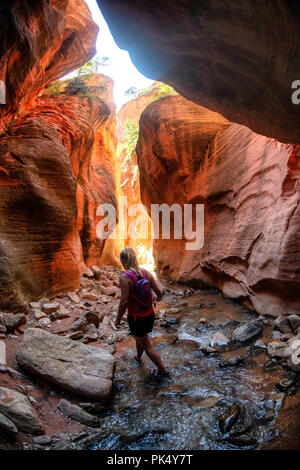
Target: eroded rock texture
pixel 249 185
pixel 56 163
pixel 236 58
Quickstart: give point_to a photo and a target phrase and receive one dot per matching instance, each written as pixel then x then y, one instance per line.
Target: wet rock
pixel 84 370
pixel 173 310
pixel 276 349
pixel 260 344
pixel 282 324
pixel 276 334
pixel 229 418
pixel 246 332
pixel 284 384
pixel 79 325
pixel 218 339
pixel 93 408
pixel 172 320
pixel 12 321
pixel 76 413
pixel 294 321
pixel 42 440
pixel 74 297
pixel 7 427
pixel 50 307
pixel 273 402
pixel 17 408
pixel 243 440
pixel 233 361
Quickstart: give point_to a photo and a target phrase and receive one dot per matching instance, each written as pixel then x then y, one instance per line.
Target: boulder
pixel 81 369
pixel 7 427
pixel 12 321
pixel 76 413
pixel 246 332
pixel 17 408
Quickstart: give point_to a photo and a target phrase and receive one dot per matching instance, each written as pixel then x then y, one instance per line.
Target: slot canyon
pixel 217 128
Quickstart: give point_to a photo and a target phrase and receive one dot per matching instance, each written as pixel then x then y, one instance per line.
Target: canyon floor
pixel 222 393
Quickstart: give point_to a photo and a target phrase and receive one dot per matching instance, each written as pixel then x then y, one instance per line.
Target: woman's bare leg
pixel 139 349
pixel 145 344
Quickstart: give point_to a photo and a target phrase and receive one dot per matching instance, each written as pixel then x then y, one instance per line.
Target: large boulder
pixel 84 370
pixel 17 408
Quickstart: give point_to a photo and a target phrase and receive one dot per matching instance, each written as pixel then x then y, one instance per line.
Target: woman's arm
pixel 155 286
pixel 125 289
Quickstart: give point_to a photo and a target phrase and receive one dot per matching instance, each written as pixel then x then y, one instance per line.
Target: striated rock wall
pixel 57 152
pixel 236 58
pixel 249 186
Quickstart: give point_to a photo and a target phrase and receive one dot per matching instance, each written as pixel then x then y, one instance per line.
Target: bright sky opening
pixel 120 67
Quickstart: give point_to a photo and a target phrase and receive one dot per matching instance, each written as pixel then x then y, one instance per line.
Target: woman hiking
pixel 136 296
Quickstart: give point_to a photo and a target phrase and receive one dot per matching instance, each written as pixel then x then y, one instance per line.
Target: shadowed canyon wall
pixel 236 58
pixel 56 151
pixel 249 185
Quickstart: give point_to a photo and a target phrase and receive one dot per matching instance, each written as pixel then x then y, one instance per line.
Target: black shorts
pixel 141 326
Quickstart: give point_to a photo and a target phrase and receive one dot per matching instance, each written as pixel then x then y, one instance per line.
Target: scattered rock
pixel 76 413
pixel 173 310
pixel 76 335
pixel 74 297
pixel 243 440
pixel 218 339
pixel 208 402
pixel 2 353
pixel 90 296
pixel 38 315
pixel 88 273
pixel 229 418
pixel 284 384
pixel 233 361
pixel 247 332
pixel 97 272
pixel 260 344
pixel 202 320
pixel 276 334
pixel 282 324
pixel 60 314
pixel 79 325
pixel 81 369
pixel 91 333
pixel 35 305
pixel 273 402
pixel 12 321
pixel 276 349
pixel 94 318
pixel 294 321
pixel 17 408
pixel 50 307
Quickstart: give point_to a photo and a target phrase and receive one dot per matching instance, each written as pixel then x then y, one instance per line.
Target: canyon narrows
pixel 228 326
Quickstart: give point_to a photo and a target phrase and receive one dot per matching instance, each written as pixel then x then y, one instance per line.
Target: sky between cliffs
pixel 120 69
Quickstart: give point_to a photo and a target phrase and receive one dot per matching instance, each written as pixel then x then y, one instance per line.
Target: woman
pixel 140 316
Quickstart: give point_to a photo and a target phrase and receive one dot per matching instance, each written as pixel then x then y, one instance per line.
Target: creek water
pixel 183 412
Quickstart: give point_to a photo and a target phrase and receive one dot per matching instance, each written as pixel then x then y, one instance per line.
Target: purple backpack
pixel 143 288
